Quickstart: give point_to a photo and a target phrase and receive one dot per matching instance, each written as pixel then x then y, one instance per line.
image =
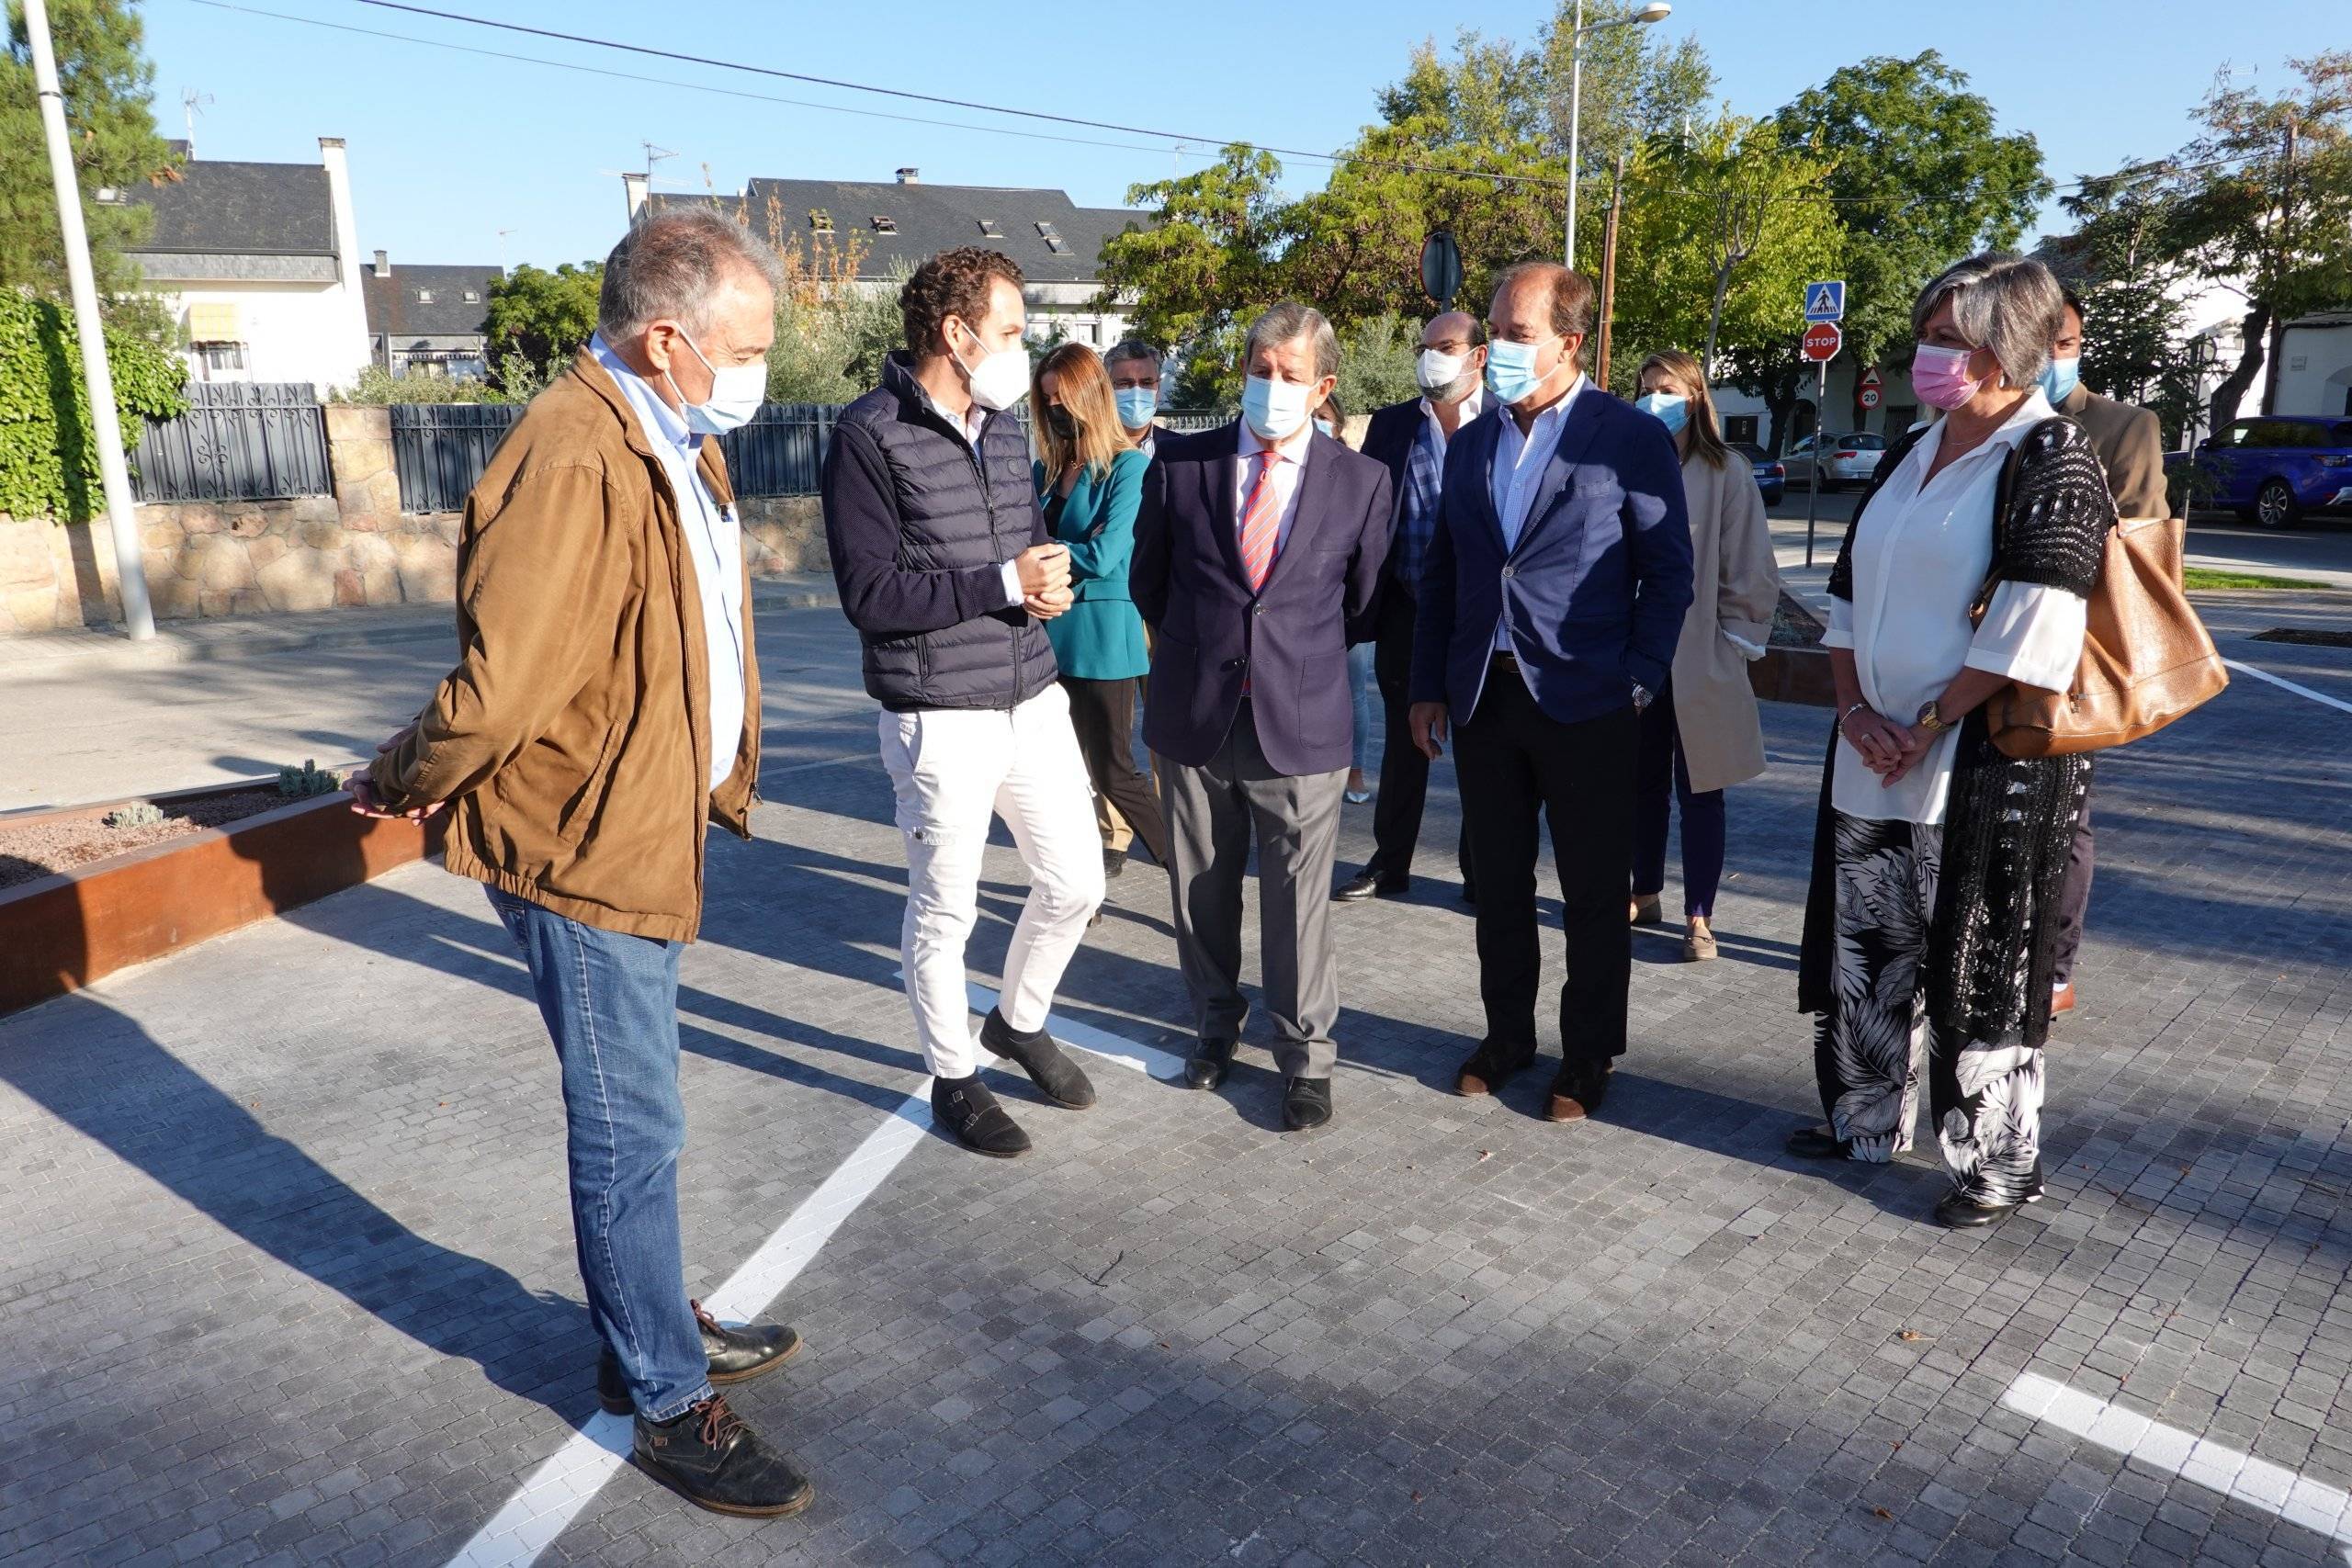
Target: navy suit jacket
pixel 1289 642
pixel 1595 591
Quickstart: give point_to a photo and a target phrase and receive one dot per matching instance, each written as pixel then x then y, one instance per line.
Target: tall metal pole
pixel 1608 267
pixel 1576 120
pixel 105 426
pixel 1813 483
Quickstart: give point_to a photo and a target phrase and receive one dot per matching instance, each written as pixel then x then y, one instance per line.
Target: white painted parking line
pixel 544 1506
pixel 2282 681
pixel 2307 1505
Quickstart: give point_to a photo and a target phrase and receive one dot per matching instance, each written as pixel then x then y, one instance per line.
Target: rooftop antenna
pixel 192 103
pixel 501 249
pixel 653 155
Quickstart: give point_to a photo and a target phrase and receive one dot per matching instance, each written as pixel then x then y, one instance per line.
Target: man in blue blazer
pixel 1550 605
pixel 1258 549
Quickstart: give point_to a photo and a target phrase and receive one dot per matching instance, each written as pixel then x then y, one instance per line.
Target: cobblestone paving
pixel 287 1276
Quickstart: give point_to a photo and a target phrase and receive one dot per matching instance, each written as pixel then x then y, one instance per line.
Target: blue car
pixel 1770 477
pixel 2272 469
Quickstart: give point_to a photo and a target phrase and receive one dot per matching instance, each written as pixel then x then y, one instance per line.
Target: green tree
pixel 2124 264
pixel 48 464
pixel 1210 255
pixel 1377 361
pixel 541 317
pixel 2266 208
pixel 107 78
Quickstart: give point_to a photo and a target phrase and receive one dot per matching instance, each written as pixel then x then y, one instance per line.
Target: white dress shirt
pixel 1921 550
pixel 1471 407
pixel 1520 462
pixel 714 549
pixel 1290 463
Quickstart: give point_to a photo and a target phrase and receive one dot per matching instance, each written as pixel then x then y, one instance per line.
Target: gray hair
pixel 1127 349
pixel 672 264
pixel 1286 323
pixel 2008 303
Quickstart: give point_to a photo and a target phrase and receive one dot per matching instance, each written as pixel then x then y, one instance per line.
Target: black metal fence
pixel 251 441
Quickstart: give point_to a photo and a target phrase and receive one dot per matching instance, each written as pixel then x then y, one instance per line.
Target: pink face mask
pixel 1941 377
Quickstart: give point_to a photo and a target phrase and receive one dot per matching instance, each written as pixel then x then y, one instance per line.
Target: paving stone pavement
pixel 287 1275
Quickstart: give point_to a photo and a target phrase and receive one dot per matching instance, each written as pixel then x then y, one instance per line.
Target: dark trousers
pixel 1104 715
pixel 1659 763
pixel 1404 772
pixel 1518 763
pixel 2074 899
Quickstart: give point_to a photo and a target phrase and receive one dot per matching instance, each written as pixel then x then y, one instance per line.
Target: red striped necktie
pixel 1262 523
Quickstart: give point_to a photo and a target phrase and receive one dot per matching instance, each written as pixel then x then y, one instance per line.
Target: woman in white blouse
pixel 1938 860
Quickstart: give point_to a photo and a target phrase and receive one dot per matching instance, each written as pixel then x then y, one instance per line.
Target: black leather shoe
pixel 1060 1080
pixel 1371 885
pixel 1486 1069
pixel 1469 892
pixel 974 1119
pixel 1209 1064
pixel 1960 1213
pixel 1812 1143
pixel 1577 1092
pixel 1306 1102
pixel 1115 863
pixel 709 1457
pixel 735 1354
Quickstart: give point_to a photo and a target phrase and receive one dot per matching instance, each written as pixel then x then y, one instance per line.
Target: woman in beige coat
pixel 1701 735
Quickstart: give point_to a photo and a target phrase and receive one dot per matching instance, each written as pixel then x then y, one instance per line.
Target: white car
pixel 1850 459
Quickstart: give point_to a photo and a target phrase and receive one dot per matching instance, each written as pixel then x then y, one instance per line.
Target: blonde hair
pixel 1706 436
pixel 1083 388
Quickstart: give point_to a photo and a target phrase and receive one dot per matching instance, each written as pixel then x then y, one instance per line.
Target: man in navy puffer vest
pixel 940 554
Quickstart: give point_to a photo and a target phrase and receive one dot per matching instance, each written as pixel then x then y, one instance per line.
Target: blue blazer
pixel 1595 591
pixel 1100 636
pixel 1290 642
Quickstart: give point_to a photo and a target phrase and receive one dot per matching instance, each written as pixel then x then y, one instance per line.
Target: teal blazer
pixel 1100 636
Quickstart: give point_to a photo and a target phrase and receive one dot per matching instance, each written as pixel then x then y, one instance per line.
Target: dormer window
pixel 885 225
pixel 424 296
pixel 820 220
pixel 1053 239
pixel 472 297
pixel 1045 230
pixel 988 230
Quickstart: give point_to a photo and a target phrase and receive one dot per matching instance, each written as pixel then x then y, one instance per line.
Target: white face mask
pixel 736 394
pixel 1000 379
pixel 1439 370
pixel 1274 408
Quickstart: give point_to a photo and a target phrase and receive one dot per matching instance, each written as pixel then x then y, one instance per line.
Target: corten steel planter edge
pixel 1794 675
pixel 60 932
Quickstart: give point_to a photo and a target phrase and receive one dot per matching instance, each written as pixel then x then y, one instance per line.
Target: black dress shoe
pixel 1060 1080
pixel 1306 1102
pixel 1812 1143
pixel 1209 1064
pixel 1577 1091
pixel 1114 862
pixel 1469 892
pixel 974 1119
pixel 735 1355
pixel 1486 1069
pixel 709 1457
pixel 1371 885
pixel 1960 1214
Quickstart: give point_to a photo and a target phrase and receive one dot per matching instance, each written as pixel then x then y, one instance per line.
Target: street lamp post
pixel 1655 11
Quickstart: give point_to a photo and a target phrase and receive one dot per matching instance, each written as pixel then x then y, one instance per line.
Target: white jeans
pixel 953 768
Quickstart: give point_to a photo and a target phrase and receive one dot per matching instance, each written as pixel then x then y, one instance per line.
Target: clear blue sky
pixel 449 149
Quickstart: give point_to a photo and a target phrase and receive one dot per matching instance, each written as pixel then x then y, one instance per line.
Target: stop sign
pixel 1822 341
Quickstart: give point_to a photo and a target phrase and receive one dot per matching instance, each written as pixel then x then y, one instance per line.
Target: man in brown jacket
pixel 2130 446
pixel 605 704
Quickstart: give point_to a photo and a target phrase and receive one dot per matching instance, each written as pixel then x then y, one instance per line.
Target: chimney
pixel 910 176
pixel 344 352
pixel 633 191
pixel 383 264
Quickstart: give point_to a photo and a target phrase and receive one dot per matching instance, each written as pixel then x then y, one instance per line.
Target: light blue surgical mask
pixel 1275 409
pixel 1326 427
pixel 1510 370
pixel 736 393
pixel 1136 405
pixel 2058 378
pixel 1670 411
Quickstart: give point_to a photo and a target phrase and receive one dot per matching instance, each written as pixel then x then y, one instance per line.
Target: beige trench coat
pixel 1739 588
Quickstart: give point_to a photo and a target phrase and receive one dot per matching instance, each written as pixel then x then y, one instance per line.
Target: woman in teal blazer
pixel 1090 483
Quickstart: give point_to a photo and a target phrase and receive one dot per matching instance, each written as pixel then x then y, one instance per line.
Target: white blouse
pixel 1921 550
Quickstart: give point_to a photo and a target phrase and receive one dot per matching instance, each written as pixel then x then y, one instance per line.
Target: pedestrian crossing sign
pixel 1824 301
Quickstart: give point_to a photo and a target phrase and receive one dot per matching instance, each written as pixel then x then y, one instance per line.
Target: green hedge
pixel 49 465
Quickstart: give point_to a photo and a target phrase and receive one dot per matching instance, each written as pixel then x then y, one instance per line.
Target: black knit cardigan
pixel 2007 823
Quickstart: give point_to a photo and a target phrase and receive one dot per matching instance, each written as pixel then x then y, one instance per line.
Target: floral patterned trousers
pixel 1877 1041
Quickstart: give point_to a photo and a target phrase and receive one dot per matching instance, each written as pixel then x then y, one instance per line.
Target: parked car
pixel 1852 459
pixel 2270 469
pixel 1770 477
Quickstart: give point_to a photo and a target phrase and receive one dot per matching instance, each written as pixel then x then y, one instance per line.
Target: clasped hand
pixel 1044 579
pixel 364 798
pixel 1889 749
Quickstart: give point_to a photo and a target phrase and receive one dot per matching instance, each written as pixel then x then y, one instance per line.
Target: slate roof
pixel 227 208
pixel 928 219
pixel 393 306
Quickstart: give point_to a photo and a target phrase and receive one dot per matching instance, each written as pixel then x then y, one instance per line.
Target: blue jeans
pixel 611 1005
pixel 1363 698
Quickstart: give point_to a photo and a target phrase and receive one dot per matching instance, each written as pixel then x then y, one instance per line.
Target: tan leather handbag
pixel 2146 656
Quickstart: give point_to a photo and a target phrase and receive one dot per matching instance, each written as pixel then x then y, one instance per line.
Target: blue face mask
pixel 1510 370
pixel 1325 426
pixel 2058 378
pixel 1671 411
pixel 1135 405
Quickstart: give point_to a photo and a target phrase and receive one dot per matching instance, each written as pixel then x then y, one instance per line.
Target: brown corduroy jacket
pixel 572 740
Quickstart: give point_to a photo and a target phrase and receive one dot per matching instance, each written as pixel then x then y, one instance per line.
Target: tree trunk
pixel 1783 390
pixel 1715 319
pixel 2256 332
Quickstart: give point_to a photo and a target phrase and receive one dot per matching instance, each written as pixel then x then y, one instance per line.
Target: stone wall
pixel 255 558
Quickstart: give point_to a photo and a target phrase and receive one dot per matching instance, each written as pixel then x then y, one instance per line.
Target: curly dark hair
pixel 952 283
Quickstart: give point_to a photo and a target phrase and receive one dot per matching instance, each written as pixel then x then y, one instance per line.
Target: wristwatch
pixel 1641 697
pixel 1931 721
